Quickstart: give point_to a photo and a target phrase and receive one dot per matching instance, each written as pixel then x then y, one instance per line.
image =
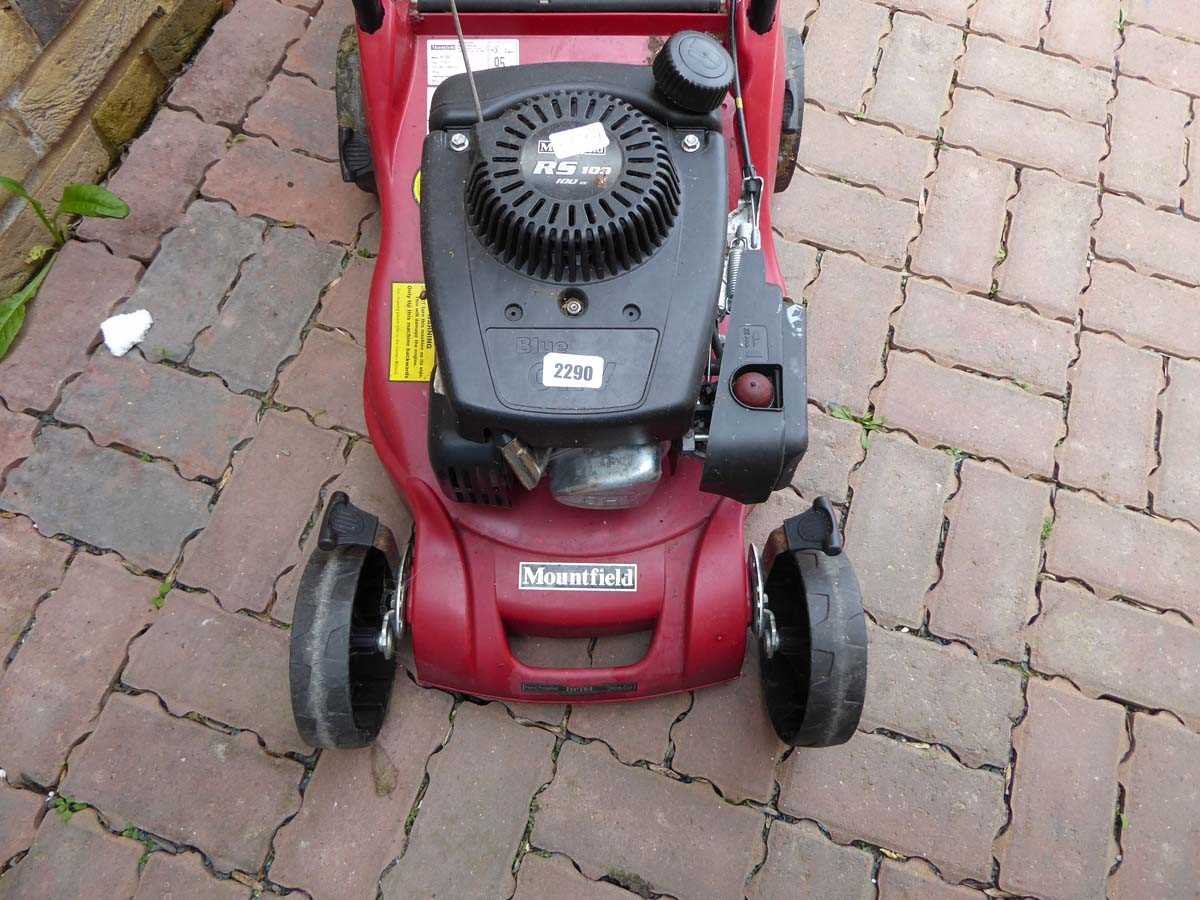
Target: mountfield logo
pixel 561 576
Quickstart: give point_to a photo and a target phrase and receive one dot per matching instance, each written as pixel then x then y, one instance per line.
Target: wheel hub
pixel 763 621
pixel 392 630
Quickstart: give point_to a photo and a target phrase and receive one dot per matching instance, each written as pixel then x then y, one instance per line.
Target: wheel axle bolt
pixel 459 142
pixel 690 143
pixel 573 306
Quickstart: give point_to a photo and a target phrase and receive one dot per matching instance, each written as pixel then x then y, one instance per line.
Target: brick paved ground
pixel 996 230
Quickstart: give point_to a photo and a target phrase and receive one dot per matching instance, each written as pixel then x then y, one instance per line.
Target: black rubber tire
pixel 816 681
pixel 340 682
pixel 789 144
pixel 354 143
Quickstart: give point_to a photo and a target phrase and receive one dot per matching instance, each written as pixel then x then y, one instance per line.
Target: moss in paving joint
pixel 630 881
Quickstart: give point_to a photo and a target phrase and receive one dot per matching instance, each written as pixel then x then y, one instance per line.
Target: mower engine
pixel 581 263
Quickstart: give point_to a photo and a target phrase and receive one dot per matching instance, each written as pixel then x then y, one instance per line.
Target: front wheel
pixel 813 648
pixel 341 671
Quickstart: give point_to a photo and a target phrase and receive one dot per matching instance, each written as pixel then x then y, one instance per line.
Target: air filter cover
pixel 572 186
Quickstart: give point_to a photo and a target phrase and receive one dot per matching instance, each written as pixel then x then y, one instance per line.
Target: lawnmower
pixel 581 368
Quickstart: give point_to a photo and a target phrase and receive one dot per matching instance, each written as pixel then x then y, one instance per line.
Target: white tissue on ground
pixel 122 332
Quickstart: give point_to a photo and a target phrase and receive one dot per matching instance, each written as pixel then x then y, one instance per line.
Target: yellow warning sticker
pixel 413 353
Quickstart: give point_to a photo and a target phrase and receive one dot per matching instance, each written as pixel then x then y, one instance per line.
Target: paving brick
pixel 802 862
pixel 296 115
pixel 50 693
pixel 964 221
pixel 555 878
pixel 232 70
pixel 912 86
pixel 62 323
pixel 941 695
pixel 635 731
pixel 952 11
pixel 764 518
pixel 1016 21
pixel 990 562
pixel 184 285
pixel 915 880
pixel 365 797
pixel 369 234
pixel 1064 796
pixel 157 179
pixel 185 782
pixel 1191 190
pixel 1153 242
pixel 344 305
pixel 1048 82
pixel 727 737
pixel 1146 312
pixel 183 875
pixel 995 338
pixel 259 326
pixel 327 381
pixel 1025 135
pixel 1107 648
pixel 257 523
pixel 143 510
pixel 909 799
pixel 1119 552
pixel 1167 62
pixel 863 153
pixel 1176 482
pixel 1049 244
pixel 606 817
pixel 795 12
pixel 30 567
pixel 1111 420
pixel 1175 17
pixel 471 822
pixel 1162 812
pixel 831 214
pixel 245 664
pixel 258 178
pixel 972 413
pixel 899 482
pixel 71 859
pixel 797 262
pixel 19 812
pixel 1085 30
pixel 371 488
pixel 132 403
pixel 315 54
pixel 834 447
pixel 1147 158
pixel 840 53
pixel 16 438
pixel 848 309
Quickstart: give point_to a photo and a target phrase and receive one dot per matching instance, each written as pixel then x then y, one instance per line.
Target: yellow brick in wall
pixel 82 158
pixel 132 97
pixel 18 47
pixel 67 74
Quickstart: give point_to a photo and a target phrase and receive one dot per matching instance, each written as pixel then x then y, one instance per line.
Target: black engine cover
pixel 514 237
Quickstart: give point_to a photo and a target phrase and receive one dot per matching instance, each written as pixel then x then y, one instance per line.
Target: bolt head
pixel 690 143
pixel 573 307
pixel 458 141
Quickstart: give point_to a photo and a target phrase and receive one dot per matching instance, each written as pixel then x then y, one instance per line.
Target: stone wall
pixel 78 78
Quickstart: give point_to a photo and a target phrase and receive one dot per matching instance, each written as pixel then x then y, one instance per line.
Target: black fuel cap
pixel 693 71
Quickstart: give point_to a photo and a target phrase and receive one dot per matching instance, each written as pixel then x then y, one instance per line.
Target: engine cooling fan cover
pixel 573 216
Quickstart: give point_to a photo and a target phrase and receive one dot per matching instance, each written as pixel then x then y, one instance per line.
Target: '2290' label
pixel 572 370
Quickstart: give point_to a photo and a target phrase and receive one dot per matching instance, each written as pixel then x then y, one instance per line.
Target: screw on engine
pixel 459 142
pixel 690 143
